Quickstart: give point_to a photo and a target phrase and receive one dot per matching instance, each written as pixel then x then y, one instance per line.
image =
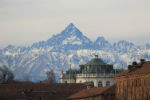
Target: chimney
pixel 130 68
pixel 142 61
pixel 134 63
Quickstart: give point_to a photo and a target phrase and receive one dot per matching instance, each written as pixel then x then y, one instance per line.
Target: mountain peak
pixel 124 42
pixel 71 25
pixel 69 36
pixel 100 39
pixel 71 28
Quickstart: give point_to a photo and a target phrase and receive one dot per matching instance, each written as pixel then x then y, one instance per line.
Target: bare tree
pixel 6 75
pixel 51 78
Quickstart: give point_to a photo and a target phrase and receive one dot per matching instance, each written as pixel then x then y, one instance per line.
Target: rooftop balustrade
pixel 96 75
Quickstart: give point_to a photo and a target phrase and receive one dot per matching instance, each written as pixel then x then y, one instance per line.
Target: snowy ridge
pixel 68 47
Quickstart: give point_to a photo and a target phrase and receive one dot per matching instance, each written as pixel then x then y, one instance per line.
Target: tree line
pixel 6 75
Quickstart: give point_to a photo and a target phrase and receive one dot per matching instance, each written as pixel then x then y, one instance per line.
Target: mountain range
pixel 68 47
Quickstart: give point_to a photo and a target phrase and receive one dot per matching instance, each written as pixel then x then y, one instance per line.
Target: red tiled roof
pixel 50 91
pixel 36 93
pixel 85 93
pixel 143 69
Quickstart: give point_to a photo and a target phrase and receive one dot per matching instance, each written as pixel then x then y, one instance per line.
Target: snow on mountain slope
pixel 68 47
pixel 69 38
pixel 102 44
pixel 124 46
pixel 72 40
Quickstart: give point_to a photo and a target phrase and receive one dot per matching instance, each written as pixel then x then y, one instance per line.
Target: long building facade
pixel 95 72
pixel 134 83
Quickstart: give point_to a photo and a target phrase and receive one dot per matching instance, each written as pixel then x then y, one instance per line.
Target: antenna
pixel 70 73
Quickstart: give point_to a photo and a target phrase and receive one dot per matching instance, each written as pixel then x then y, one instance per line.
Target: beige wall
pixel 133 87
pixel 91 77
pixel 67 81
pixel 96 80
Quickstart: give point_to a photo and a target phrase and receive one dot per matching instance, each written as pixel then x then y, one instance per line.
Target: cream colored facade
pixel 95 72
pixel 99 80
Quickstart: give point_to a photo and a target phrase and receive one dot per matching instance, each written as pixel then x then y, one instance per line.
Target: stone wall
pixel 133 87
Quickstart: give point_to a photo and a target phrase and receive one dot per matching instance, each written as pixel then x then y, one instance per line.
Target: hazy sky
pixel 23 22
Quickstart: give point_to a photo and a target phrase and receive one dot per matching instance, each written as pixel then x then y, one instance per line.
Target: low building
pixel 134 83
pixel 38 91
pixel 101 93
pixel 96 71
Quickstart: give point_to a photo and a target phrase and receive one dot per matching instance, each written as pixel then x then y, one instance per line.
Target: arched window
pixel 107 83
pixel 80 81
pixel 65 81
pixel 100 84
pixel 92 84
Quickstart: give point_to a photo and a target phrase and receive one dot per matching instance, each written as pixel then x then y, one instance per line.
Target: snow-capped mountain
pixel 69 39
pixel 124 46
pixel 101 44
pixel 68 47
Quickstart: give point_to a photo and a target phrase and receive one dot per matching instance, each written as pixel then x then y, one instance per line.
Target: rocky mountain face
pixel 68 47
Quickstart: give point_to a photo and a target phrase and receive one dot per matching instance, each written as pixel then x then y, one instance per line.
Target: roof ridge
pixel 144 68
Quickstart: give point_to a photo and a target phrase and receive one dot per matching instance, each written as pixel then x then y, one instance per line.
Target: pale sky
pixel 23 22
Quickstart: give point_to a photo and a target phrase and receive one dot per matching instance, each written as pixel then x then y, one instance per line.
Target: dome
pixel 96 65
pixel 96 61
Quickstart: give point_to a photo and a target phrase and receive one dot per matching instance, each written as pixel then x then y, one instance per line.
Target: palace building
pixel 96 73
pixel 134 83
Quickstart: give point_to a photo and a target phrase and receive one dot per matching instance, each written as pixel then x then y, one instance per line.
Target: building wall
pixel 67 80
pixel 88 78
pixel 96 80
pixel 133 87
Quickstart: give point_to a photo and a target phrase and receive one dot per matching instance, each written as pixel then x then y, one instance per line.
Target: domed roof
pixel 96 65
pixel 96 61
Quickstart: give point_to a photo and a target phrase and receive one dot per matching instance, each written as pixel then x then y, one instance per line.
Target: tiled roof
pixel 143 69
pixel 36 93
pixel 50 91
pixel 91 92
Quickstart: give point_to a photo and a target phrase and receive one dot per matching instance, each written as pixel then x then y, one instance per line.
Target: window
pixel 92 83
pixel 139 82
pixel 80 81
pixel 107 83
pixel 144 82
pixel 100 84
pixel 135 82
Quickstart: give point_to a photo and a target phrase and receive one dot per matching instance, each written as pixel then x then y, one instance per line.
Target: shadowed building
pixel 95 72
pixel 38 91
pixel 134 83
pixel 101 93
